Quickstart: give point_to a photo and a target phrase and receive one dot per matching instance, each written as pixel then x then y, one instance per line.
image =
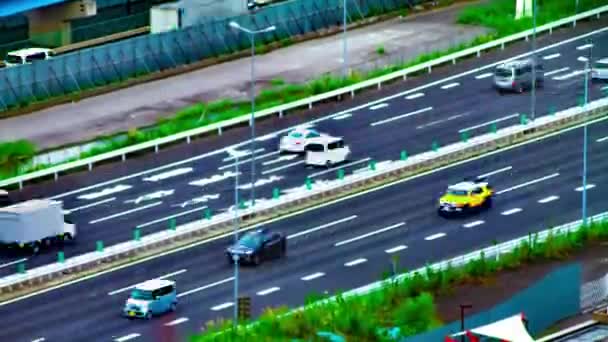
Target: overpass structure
pixel 49 20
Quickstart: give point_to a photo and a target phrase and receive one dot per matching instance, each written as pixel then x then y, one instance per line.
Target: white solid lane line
pixel 486 75
pixel 491 173
pixel 165 219
pixel 602 139
pixel 204 287
pixel 343 116
pixel 451 85
pixel 378 106
pixel 434 236
pixel 433 123
pixel 588 186
pixel 401 94
pixel 548 199
pixel 127 337
pixel 489 122
pixel 355 262
pixel 222 306
pixel 13 262
pixel 90 205
pixel 381 122
pixel 327 225
pixel 584 47
pixel 243 161
pixel 177 321
pixel 168 174
pixel 313 276
pixel 357 238
pixel 552 56
pixel 414 96
pixel 557 71
pixel 511 211
pixel 396 249
pixel 161 277
pixel 268 291
pixel 265 172
pixel 126 212
pixel 473 224
pixel 534 181
pixel 245 153
pixel 312 175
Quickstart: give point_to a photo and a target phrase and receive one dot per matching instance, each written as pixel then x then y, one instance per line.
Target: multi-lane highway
pixel 110 201
pixel 338 246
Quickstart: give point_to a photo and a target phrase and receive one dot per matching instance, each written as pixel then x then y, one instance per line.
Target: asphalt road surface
pixel 537 185
pixel 110 201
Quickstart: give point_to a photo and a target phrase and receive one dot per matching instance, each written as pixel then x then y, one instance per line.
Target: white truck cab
pixel 326 151
pixel 27 56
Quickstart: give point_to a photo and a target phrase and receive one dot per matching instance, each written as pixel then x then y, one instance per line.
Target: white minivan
pixel 27 56
pixel 326 151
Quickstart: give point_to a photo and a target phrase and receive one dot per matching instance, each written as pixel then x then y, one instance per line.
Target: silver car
pixel 517 75
pixel 600 69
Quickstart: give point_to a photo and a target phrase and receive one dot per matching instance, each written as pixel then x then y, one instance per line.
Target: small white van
pixel 326 151
pixel 27 56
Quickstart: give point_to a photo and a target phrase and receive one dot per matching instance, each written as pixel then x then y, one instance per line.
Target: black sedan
pixel 257 246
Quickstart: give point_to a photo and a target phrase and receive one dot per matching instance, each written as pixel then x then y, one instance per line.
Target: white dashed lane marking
pixel 553 56
pixel 434 236
pixel 414 96
pixel 511 211
pixel 127 337
pixel 396 249
pixel 355 262
pixel 451 85
pixel 313 276
pixel 378 106
pixel 177 321
pixel 473 224
pixel 482 76
pixel 588 187
pixel 534 181
pixel 548 199
pixel 268 291
pixel 222 306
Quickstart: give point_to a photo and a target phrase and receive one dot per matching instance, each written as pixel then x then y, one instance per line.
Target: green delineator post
pixel 464 136
pixel 403 155
pixel 523 119
pixel 435 146
pixel 242 205
pixel 137 234
pixel 552 110
pixel 580 101
pixel 99 246
pixel 493 128
pixel 172 224
pixel 340 174
pixel 276 193
pixel 308 183
pixel 60 257
pixel 207 213
pixel 605 91
pixel 372 165
pixel 21 267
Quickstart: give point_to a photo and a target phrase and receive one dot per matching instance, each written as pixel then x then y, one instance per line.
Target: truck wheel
pixel 148 316
pixel 67 237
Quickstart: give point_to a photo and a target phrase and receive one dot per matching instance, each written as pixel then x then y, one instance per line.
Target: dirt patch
pixel 508 283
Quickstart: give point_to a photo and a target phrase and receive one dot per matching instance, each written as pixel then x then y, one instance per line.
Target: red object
pixel 472 337
pixel 449 339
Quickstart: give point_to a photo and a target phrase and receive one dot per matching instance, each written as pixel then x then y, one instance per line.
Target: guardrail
pixel 307 102
pixel 309 193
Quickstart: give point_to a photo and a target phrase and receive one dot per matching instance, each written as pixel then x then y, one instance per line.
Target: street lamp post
pixel 252 34
pixel 235 154
pixel 533 104
pixel 344 41
pixel 462 308
pixel 585 138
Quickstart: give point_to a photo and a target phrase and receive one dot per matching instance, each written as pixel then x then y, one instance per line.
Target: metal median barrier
pixel 307 102
pixel 308 195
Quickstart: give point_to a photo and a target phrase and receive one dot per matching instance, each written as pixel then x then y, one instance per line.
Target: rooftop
pixel 154 284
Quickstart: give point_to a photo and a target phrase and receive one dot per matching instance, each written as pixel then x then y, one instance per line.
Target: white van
pixel 27 56
pixel 326 151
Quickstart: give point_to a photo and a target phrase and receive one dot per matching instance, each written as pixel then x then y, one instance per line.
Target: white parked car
pixel 600 69
pixel 326 151
pixel 27 56
pixel 296 140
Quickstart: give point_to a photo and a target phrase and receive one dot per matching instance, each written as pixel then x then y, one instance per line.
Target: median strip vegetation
pixel 497 14
pixel 402 307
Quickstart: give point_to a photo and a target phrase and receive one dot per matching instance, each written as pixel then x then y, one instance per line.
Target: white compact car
pixel 326 151
pixel 600 69
pixel 296 140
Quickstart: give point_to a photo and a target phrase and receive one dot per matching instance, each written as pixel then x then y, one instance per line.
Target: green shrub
pixel 380 50
pixel 14 155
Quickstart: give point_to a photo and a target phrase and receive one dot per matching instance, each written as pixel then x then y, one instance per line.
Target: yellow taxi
pixel 466 197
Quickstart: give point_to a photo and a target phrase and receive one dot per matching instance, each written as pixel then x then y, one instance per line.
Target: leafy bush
pixel 14 155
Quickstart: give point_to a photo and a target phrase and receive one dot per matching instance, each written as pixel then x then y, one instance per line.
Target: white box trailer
pixel 34 224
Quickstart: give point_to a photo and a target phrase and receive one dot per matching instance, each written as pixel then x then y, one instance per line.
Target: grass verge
pixel 406 303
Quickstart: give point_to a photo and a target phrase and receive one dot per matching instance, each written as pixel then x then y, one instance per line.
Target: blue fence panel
pixel 151 53
pixel 551 299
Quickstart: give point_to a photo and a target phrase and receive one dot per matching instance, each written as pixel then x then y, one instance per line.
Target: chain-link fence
pixel 594 294
pixel 118 61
